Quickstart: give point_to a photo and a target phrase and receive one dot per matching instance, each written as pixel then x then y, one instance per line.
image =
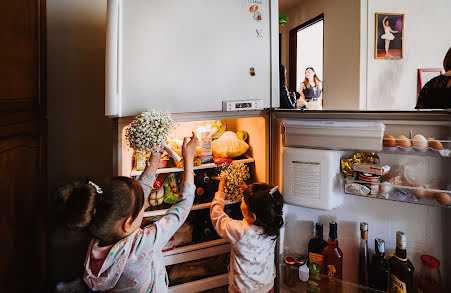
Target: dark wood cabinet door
pixel 23 180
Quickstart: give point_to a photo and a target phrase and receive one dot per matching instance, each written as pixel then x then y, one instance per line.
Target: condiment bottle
pixel 429 280
pixel 290 271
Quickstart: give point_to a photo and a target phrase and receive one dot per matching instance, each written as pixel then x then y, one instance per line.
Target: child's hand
pixel 189 148
pixel 243 186
pixel 221 184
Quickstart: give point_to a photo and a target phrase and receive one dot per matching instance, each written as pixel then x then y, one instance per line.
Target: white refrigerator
pixel 206 60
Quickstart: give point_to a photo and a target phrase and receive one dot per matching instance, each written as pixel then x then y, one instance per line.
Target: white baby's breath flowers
pixel 147 130
pixel 235 174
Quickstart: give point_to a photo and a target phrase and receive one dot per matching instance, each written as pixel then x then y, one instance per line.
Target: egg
pixel 389 141
pixel 443 198
pixel 419 141
pixel 403 141
pixel 435 144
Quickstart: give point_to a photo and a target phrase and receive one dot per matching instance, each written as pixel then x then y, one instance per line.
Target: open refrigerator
pixel 281 143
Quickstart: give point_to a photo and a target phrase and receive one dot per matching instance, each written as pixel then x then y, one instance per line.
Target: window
pixel 306 50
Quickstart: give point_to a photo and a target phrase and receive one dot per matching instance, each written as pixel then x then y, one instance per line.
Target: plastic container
pixel 335 134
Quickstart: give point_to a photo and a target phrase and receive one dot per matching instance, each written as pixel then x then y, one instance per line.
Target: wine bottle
pixel 332 265
pixel 316 246
pixel 363 254
pixel 378 274
pixel 400 268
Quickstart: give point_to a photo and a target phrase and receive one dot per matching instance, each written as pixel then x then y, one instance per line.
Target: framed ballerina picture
pixel 389 36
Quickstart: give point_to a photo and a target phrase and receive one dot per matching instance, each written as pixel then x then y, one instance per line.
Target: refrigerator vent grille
pixel 305 180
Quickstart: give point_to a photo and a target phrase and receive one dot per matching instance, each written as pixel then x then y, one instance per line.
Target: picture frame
pixel 426 74
pixel 389 36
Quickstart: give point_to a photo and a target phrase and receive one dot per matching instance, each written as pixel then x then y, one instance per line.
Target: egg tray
pixel 417 151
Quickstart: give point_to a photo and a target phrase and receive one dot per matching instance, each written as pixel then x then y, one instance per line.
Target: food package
pixel 371 168
pixel 348 164
pixel 217 128
pixel 149 221
pixel 183 235
pixel 170 190
pixel 176 145
pixel 229 146
pixel 205 139
pixel 140 161
pixel 158 183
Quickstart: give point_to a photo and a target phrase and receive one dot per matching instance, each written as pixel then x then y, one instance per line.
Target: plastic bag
pixel 170 190
pixel 229 145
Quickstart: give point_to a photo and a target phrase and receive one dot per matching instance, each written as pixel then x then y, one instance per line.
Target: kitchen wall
pixel 392 84
pixel 341 48
pixel 80 137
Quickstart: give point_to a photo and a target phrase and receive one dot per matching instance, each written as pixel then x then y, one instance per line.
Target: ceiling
pixel 285 5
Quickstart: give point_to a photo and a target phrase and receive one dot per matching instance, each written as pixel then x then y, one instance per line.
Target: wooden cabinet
pixel 23 195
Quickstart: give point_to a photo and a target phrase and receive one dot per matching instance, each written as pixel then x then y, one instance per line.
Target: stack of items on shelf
pixel 366 177
pixel 392 273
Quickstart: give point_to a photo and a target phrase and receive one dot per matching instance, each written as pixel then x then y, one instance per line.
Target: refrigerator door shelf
pixel 337 134
pixel 312 178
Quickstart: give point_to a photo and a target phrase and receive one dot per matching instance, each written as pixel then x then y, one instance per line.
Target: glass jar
pixel 290 273
pixel 429 280
pixel 314 281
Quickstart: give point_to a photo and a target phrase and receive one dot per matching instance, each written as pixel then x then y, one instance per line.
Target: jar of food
pixel 314 281
pixel 429 280
pixel 290 273
pixel 366 177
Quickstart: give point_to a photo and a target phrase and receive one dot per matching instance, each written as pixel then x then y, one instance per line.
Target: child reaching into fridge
pixel 253 240
pixel 122 257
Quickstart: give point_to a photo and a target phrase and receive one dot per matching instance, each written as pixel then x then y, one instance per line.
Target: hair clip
pixel 97 187
pixel 271 192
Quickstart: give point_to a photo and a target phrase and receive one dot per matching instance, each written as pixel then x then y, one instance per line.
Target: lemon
pixel 243 135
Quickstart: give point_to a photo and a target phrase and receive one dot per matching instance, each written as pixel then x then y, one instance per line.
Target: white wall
pixel 79 134
pixel 392 84
pixel 341 48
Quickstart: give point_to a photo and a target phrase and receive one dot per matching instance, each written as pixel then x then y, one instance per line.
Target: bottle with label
pixel 332 265
pixel 400 268
pixel 378 273
pixel 363 254
pixel 315 247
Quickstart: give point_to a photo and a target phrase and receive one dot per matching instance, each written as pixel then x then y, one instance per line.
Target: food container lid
pixel 289 260
pixel 430 261
pixel 301 260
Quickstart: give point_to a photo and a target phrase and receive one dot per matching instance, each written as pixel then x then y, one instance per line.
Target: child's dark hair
pixel 266 207
pixel 81 207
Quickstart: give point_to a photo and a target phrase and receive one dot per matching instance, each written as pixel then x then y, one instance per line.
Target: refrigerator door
pixel 189 56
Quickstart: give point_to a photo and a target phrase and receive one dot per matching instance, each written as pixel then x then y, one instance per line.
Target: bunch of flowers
pixel 147 130
pixel 235 174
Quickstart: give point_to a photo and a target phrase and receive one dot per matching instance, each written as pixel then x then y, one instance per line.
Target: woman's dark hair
pixel 266 207
pixel 81 207
pixel 283 82
pixel 447 60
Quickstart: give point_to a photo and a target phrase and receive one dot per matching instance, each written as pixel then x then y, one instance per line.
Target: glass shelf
pixel 247 159
pixel 408 194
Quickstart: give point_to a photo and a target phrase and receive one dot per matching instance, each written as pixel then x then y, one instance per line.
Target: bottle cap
pixel 379 244
pixel 289 260
pixel 363 226
pixel 319 226
pixel 333 230
pixel 430 261
pixel 401 240
pixel 301 260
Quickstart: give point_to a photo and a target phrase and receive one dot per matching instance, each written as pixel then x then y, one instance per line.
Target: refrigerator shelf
pixel 446 152
pixel 196 251
pixel 248 159
pixel 407 194
pixel 201 285
pixel 200 206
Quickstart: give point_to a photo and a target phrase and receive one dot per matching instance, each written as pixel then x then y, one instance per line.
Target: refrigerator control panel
pixel 242 105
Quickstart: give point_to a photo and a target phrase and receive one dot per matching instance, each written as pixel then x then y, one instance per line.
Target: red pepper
pixel 220 161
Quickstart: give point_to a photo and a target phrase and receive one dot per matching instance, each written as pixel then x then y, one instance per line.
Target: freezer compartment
pixel 333 134
pixel 198 269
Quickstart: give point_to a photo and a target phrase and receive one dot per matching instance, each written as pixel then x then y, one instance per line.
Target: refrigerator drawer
pixel 196 251
pixel 337 134
pixel 201 285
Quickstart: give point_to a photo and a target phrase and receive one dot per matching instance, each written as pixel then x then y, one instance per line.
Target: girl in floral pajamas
pixel 253 240
pixel 122 257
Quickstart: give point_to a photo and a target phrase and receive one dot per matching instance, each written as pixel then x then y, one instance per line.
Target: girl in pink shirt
pixel 253 240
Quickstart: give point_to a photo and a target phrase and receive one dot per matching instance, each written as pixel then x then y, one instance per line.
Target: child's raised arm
pixel 160 233
pixel 227 228
pixel 147 177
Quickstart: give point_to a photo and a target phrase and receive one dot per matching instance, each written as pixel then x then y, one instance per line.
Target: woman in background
pixel 388 35
pixel 311 90
pixel 436 93
pixel 287 99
